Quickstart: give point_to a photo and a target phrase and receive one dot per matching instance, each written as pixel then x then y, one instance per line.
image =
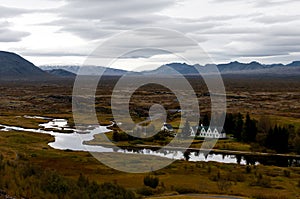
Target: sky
pixel 65 32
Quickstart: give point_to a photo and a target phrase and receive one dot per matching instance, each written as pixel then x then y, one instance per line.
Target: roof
pixel 220 129
pixel 169 126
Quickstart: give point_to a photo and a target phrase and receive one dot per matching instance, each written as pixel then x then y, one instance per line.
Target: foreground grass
pixel 195 196
pixel 54 100
pixel 181 177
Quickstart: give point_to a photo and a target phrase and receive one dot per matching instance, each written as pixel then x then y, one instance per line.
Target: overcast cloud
pixel 66 31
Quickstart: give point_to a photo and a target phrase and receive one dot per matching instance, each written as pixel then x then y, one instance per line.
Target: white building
pixel 207 132
pixel 167 127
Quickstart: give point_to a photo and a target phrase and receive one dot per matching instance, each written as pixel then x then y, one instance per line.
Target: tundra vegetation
pixel 263 115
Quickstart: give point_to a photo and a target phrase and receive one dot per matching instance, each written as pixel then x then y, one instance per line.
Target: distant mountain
pixel 294 64
pixel 61 73
pixel 232 67
pixel 13 66
pixel 72 69
pixel 275 71
pixel 173 69
pixel 186 69
pixel 87 70
pixel 256 67
pixel 237 66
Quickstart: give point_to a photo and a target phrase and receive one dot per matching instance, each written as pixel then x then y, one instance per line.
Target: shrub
pixel 262 181
pixel 215 177
pixel 224 184
pixel 236 177
pixel 185 190
pixel 115 136
pixel 145 191
pixel 209 169
pixel 248 169
pixel 54 183
pixel 265 182
pixel 29 170
pixel 287 173
pixel 151 181
pixel 114 191
pixel 82 181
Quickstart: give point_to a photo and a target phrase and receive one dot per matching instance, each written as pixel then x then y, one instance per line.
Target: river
pixel 74 140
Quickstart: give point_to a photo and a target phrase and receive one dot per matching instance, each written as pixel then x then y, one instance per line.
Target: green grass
pixel 281 120
pixel 14 120
pixel 200 176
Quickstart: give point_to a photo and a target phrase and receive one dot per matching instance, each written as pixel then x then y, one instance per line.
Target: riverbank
pixel 86 142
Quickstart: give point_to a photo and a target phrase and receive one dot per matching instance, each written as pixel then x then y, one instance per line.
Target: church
pixel 208 132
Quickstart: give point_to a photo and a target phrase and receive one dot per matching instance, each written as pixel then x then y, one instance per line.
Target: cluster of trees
pixel 278 139
pixel 263 133
pixel 23 180
pixel 243 130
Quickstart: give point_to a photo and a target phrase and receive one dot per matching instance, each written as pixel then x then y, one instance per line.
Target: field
pixel 179 178
pixel 276 98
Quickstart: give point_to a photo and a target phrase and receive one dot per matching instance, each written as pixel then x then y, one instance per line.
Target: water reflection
pixel 74 141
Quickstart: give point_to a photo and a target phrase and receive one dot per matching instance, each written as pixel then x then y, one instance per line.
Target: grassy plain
pixel 277 98
pixel 180 177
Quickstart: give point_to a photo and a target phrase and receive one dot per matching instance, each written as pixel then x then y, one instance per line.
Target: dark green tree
pixel 239 123
pixel 277 139
pixel 205 120
pixel 250 130
pixel 230 124
pixel 186 155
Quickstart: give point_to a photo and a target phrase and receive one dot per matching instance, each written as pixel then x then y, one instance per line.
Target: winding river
pixel 74 141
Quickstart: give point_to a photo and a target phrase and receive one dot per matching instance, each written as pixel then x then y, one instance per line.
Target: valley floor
pixel 23 151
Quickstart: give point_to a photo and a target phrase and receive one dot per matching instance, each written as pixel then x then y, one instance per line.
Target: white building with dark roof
pixel 208 132
pixel 167 127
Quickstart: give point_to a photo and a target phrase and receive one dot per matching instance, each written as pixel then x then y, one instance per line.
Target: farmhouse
pixel 207 132
pixel 167 127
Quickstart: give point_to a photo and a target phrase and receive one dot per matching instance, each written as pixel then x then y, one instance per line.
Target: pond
pixel 74 140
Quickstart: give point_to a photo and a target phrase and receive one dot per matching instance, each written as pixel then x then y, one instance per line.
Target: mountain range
pixel 186 69
pixel 88 70
pixel 13 66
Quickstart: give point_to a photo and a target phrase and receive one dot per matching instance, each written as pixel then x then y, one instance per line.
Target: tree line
pixel 263 133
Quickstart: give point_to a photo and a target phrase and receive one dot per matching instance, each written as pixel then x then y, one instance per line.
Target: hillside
pixel 13 66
